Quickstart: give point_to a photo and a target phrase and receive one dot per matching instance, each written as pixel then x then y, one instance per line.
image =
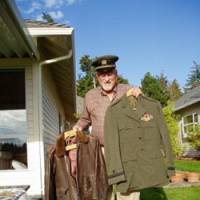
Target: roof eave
pixel 13 20
pixel 186 105
pixel 49 31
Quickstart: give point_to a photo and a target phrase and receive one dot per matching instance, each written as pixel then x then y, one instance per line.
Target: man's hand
pixel 80 136
pixel 77 128
pixel 136 91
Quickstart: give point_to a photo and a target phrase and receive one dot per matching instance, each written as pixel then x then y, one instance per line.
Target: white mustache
pixel 108 82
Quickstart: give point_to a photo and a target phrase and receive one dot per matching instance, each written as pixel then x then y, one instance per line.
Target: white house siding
pixel 195 108
pixel 32 175
pixel 51 109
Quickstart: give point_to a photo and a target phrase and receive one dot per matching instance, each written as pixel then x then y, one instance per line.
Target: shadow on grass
pixel 153 194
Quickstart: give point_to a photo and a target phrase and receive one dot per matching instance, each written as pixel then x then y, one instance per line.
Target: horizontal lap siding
pixel 51 107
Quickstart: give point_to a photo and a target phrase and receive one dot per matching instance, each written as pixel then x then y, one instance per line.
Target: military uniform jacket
pixel 136 143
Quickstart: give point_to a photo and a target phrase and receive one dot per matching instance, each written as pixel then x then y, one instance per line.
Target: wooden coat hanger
pixel 68 135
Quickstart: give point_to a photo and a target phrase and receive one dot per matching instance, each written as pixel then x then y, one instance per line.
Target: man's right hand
pixel 77 128
pixel 80 136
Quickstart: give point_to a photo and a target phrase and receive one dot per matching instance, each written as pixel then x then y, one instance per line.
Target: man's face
pixel 107 79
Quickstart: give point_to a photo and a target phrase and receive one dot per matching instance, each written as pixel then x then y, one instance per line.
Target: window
pixel 13 130
pixel 188 123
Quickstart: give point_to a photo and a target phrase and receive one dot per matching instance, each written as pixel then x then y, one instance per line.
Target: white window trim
pixel 184 134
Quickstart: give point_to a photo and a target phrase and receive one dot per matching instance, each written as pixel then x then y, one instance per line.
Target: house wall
pixel 52 111
pixel 190 109
pixel 195 108
pixel 32 175
pixel 51 106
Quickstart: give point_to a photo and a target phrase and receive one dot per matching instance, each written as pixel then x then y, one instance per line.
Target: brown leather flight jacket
pixel 91 181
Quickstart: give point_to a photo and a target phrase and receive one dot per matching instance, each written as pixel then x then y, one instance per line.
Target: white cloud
pixel 70 2
pixel 59 3
pixel 34 6
pixel 13 120
pixel 39 17
pixel 53 3
pixel 56 14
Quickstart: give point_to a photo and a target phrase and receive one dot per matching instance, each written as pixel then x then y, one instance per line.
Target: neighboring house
pixel 37 85
pixel 188 108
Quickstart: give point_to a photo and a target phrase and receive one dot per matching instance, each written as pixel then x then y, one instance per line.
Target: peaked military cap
pixel 104 62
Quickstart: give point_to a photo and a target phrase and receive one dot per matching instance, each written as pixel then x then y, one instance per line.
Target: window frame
pixel 193 123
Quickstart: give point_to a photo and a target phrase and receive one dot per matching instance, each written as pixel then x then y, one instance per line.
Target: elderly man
pixel 97 101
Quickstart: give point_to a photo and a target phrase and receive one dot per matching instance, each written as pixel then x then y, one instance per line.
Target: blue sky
pixel 157 36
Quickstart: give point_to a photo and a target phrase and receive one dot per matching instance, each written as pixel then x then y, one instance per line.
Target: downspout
pixel 41 146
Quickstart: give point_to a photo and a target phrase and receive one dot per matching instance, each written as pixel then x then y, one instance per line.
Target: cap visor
pixel 105 67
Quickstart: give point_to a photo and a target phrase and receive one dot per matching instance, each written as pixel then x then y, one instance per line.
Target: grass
pixel 190 193
pixel 188 165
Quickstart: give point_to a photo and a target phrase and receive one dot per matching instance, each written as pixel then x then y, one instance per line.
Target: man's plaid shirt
pixel 95 106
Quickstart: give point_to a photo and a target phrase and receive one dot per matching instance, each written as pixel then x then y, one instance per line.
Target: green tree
pixel 172 125
pixel 174 90
pixel 164 87
pixel 87 79
pixel 151 87
pixel 193 79
pixel 122 80
pixel 85 63
pixel 47 17
pixel 163 81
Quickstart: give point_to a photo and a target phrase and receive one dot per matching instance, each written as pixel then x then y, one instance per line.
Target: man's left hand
pixel 136 91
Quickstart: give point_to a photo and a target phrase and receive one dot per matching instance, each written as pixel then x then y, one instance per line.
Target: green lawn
pixel 188 165
pixel 191 193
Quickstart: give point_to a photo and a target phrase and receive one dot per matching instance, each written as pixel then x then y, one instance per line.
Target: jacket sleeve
pixel 166 145
pixel 50 188
pixel 113 160
pixel 85 120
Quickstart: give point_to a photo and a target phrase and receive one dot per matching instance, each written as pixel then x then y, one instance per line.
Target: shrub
pixel 194 136
pixel 173 128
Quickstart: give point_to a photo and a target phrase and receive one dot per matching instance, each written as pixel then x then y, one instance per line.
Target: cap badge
pixel 104 62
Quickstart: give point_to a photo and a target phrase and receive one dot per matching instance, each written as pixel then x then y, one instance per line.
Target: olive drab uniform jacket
pixel 138 152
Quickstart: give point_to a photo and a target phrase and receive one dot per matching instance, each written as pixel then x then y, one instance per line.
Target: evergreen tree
pixel 164 87
pixel 174 90
pixel 85 63
pixel 86 80
pixel 151 87
pixel 84 84
pixel 122 80
pixel 47 17
pixel 193 79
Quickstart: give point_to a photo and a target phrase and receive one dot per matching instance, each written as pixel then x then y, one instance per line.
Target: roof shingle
pixel 189 98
